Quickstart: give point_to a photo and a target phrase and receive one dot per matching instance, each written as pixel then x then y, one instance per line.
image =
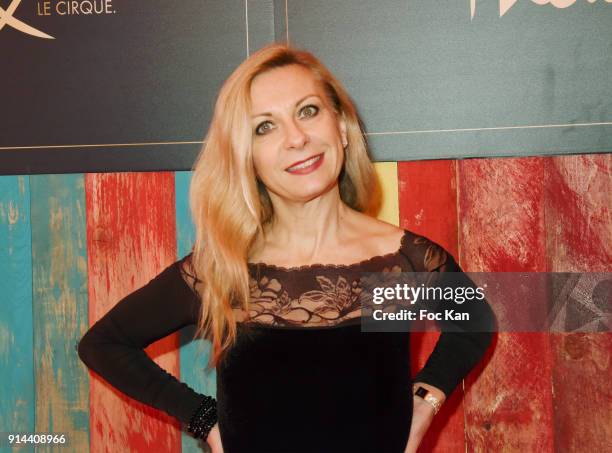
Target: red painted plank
pixel 579 225
pixel 428 206
pixel 131 237
pixel 501 209
pixel 579 213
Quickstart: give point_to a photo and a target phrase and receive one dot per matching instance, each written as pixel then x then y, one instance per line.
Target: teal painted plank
pixel 59 278
pixel 17 376
pixel 194 354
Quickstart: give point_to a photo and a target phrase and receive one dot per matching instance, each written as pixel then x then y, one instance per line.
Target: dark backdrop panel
pixel 148 72
pixel 133 88
pixel 432 82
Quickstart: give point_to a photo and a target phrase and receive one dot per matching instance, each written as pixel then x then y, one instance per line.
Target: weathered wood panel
pixel 387 176
pixel 59 278
pixel 194 354
pixel 131 238
pixel 16 348
pixel 579 226
pixel 428 206
pixel 428 200
pixel 501 212
pixel 503 227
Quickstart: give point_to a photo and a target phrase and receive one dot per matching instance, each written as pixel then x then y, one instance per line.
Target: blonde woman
pixel 282 197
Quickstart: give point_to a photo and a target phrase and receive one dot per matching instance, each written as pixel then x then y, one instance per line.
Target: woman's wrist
pixel 204 418
pixel 429 394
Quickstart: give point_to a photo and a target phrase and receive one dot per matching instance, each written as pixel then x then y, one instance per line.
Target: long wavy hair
pixel 230 206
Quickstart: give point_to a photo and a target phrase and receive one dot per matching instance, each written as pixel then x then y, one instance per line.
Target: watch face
pixel 422 392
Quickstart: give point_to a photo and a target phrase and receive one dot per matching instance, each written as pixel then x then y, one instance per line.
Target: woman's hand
pixel 214 440
pixel 422 416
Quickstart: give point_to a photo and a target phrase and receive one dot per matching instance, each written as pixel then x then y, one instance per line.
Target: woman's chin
pixel 312 192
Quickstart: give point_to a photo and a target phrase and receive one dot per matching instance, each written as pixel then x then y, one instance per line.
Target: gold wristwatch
pixel 425 394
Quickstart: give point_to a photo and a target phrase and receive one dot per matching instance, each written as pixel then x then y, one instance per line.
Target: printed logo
pixel 505 5
pixel 6 18
pixel 62 8
pixel 74 7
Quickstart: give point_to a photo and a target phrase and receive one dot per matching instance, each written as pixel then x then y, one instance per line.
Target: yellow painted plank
pixel 387 175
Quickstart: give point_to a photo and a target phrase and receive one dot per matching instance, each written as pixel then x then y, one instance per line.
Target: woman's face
pixel 297 137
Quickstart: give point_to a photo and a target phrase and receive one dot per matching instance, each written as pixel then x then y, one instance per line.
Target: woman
pixel 280 198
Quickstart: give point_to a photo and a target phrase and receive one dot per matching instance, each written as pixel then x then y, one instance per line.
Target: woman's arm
pixel 114 346
pixel 461 345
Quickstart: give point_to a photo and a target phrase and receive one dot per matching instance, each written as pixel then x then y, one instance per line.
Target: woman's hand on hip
pixel 422 416
pixel 214 440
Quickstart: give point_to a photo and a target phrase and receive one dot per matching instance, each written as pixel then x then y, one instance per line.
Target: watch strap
pixel 425 394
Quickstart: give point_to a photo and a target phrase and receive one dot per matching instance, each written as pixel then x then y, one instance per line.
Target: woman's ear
pixel 343 134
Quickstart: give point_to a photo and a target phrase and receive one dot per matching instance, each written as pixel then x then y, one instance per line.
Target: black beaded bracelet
pixel 204 418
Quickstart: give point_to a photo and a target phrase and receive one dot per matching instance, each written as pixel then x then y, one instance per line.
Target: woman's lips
pixel 307 166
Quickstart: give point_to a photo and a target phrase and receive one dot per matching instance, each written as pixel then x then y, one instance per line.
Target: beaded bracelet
pixel 204 418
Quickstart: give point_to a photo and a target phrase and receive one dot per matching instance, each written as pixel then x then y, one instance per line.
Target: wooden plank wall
pixel 501 206
pixel 579 188
pixel 131 238
pixel 71 246
pixel 428 206
pixel 59 305
pixel 17 400
pixel 194 355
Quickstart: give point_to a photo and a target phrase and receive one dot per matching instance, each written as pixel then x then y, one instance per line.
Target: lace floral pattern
pixel 278 298
pixel 336 300
pixel 434 257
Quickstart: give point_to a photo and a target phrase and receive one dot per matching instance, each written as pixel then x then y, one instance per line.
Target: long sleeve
pixel 114 346
pixel 462 344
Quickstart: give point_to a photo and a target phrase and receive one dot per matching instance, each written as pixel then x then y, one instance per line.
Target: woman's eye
pixel 263 128
pixel 309 110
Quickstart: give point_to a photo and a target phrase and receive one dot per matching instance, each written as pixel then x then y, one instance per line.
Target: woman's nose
pixel 295 136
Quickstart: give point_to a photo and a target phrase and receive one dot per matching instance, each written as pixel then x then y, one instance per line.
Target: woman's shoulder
pixel 189 274
pixel 424 254
pixel 381 237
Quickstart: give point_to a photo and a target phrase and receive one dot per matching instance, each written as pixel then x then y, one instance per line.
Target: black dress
pixel 302 376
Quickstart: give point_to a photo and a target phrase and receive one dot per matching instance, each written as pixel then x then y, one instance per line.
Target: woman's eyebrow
pixel 296 104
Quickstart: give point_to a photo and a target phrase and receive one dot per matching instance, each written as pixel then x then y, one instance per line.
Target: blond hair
pixel 230 206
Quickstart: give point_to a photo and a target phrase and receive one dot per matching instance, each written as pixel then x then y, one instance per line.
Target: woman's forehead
pixel 282 87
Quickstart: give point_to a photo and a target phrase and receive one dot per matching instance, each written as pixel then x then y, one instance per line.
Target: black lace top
pixel 302 377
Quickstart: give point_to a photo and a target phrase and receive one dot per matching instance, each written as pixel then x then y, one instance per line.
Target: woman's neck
pixel 309 229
